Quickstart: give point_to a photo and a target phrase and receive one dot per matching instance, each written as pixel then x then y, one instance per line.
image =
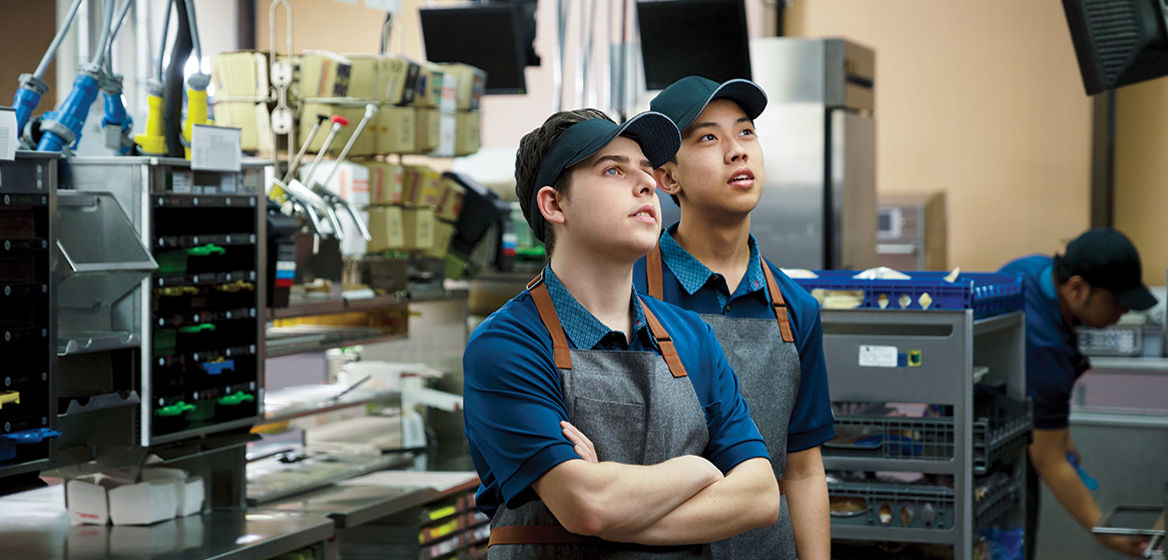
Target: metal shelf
pixel 877 463
pixel 894 534
pixel 1130 364
pixel 325 406
pixel 300 307
pixel 321 338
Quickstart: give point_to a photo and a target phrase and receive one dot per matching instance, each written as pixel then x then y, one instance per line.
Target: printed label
pixel 878 356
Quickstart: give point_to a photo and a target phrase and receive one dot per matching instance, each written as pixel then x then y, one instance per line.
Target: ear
pixel 1078 287
pixel 549 202
pixel 666 176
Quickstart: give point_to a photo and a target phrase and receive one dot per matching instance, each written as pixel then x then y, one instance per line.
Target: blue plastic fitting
pixel 71 116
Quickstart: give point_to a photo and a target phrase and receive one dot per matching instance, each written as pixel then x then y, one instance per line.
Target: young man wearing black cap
pixel 660 456
pixel 1095 282
pixel 769 327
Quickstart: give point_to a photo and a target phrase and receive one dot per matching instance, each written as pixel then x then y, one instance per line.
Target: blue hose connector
pixel 63 127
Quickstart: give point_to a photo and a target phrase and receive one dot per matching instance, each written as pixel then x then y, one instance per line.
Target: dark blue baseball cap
pixel 656 134
pixel 686 98
pixel 1107 259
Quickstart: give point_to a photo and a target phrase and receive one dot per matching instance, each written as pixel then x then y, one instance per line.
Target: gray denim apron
pixel 637 408
pixel 763 355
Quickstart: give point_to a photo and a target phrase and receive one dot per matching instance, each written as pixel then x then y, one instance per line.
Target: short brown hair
pixel 532 149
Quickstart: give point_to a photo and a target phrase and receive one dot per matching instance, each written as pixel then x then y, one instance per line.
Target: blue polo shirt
pixel 1053 361
pixel 514 402
pixel 688 283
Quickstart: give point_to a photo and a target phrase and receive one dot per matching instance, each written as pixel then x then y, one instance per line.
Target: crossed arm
pixel 685 500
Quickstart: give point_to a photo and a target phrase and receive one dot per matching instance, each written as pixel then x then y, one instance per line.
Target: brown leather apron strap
pixel 551 320
pixel 668 351
pixel 778 304
pixel 537 534
pixel 653 272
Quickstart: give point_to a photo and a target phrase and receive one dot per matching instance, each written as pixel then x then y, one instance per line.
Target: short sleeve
pixel 812 422
pixel 1050 376
pixel 513 405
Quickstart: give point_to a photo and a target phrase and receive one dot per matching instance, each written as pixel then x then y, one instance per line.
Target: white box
pixel 144 503
pixel 87 498
pixel 189 490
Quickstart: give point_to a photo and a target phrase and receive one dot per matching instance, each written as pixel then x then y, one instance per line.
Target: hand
pixel 1074 450
pixel 1124 544
pixel 583 446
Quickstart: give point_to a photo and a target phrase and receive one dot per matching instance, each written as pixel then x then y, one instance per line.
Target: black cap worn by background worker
pixel 685 99
pixel 1106 258
pixel 654 132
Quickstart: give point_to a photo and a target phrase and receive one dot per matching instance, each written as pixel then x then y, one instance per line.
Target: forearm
pixel 748 498
pixel 810 517
pixel 1066 486
pixel 606 498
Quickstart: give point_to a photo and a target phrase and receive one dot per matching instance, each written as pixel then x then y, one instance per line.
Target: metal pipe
pixel 109 46
pixel 162 43
pixel 51 52
pixel 194 26
pixel 99 59
pixel 558 57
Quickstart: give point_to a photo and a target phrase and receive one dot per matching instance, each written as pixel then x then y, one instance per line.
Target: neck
pixel 603 286
pixel 1062 294
pixel 721 245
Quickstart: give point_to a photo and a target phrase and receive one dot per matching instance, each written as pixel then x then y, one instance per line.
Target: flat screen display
pixel 486 36
pixel 702 37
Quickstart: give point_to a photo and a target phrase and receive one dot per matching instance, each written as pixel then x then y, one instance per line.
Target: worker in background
pixel 1095 282
pixel 769 327
pixel 601 424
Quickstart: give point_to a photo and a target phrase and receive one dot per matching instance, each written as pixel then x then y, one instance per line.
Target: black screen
pixel 487 36
pixel 683 37
pixel 1118 42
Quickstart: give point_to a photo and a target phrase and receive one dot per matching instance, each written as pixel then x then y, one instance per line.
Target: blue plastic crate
pixel 986 293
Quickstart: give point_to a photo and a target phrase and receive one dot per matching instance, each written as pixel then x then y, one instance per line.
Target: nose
pixel 736 152
pixel 646 183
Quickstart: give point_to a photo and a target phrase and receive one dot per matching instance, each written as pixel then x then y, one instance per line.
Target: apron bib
pixel 656 415
pixel 762 353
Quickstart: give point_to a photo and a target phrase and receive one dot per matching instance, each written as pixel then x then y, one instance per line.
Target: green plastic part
pixel 236 398
pixel 174 409
pixel 197 328
pixel 205 250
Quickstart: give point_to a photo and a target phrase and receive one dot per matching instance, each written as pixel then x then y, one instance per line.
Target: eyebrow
pixel 619 159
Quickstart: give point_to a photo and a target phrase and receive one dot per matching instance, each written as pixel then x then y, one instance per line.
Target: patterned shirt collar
pixel 581 327
pixel 693 275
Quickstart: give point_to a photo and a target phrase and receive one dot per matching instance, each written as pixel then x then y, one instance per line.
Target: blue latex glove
pixel 1087 479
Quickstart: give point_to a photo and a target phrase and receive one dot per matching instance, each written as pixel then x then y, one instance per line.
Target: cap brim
pixel 746 93
pixel 1137 298
pixel 657 135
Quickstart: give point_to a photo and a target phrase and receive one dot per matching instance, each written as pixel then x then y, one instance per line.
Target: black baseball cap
pixel 656 134
pixel 685 99
pixel 1106 258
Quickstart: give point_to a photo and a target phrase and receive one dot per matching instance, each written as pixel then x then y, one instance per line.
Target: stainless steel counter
pixel 35 524
pixel 350 506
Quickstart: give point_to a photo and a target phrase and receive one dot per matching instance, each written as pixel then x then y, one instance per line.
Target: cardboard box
pixel 427 129
pixel 446 134
pixel 428 88
pixel 144 503
pixel 323 74
pixel 450 197
pixel 418 225
pixel 396 129
pixel 401 79
pixel 87 498
pixel 470 81
pixel 466 133
pixel 368 76
pixel 443 231
pixel 189 490
pixel 351 109
pixel 448 100
pixel 386 225
pixel 385 182
pixel 420 185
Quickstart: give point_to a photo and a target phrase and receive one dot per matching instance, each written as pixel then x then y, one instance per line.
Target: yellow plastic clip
pixel 9 397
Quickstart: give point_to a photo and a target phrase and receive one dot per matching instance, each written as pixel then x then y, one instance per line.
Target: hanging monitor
pixel 683 37
pixel 488 36
pixel 1118 42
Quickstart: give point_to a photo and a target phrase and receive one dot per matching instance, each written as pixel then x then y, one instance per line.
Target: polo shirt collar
pixel 581 327
pixel 693 275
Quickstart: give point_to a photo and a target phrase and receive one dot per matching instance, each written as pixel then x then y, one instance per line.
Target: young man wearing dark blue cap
pixel 768 326
pixel 603 425
pixel 1095 282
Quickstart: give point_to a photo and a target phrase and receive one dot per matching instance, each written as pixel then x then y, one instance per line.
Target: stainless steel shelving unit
pixel 933 354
